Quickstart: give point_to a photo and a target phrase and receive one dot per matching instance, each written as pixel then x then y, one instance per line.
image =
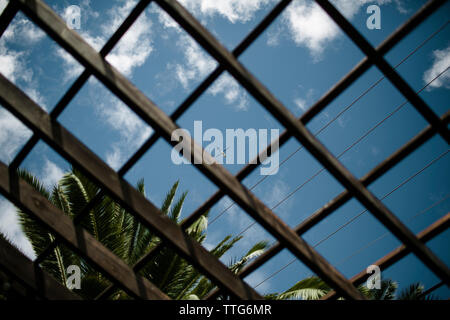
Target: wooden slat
pixel 17 265
pixel 7 16
pixel 75 152
pixel 111 78
pixel 399 253
pixel 24 196
pixel 15 288
pixel 304 136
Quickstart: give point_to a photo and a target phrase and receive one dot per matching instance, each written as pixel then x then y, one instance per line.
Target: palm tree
pixel 314 288
pixel 121 233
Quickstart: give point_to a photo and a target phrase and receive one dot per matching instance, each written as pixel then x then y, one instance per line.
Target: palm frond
pixel 312 288
pixel 176 210
pixel 197 230
pixel 167 203
pixel 255 251
pixel 387 290
pixel 413 292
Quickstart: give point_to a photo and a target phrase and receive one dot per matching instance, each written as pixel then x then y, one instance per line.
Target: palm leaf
pixel 413 292
pixel 255 251
pixel 386 291
pixel 312 288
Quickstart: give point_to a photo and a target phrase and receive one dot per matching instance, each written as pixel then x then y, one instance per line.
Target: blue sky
pixel 299 58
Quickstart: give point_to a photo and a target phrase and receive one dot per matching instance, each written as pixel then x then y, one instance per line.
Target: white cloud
pixel 197 64
pixel 303 98
pixel 307 24
pixel 165 20
pixel 71 66
pixel 22 29
pixel 117 14
pixel 273 35
pixel 34 94
pixel 10 64
pixel 51 174
pixel 9 223
pixel 233 93
pixel 115 158
pixel 401 7
pixel 310 26
pixel 441 61
pixel 301 103
pixel 14 65
pixel 232 10
pixel 10 227
pixel 135 46
pixel 132 130
pixel 13 134
pixel 121 118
